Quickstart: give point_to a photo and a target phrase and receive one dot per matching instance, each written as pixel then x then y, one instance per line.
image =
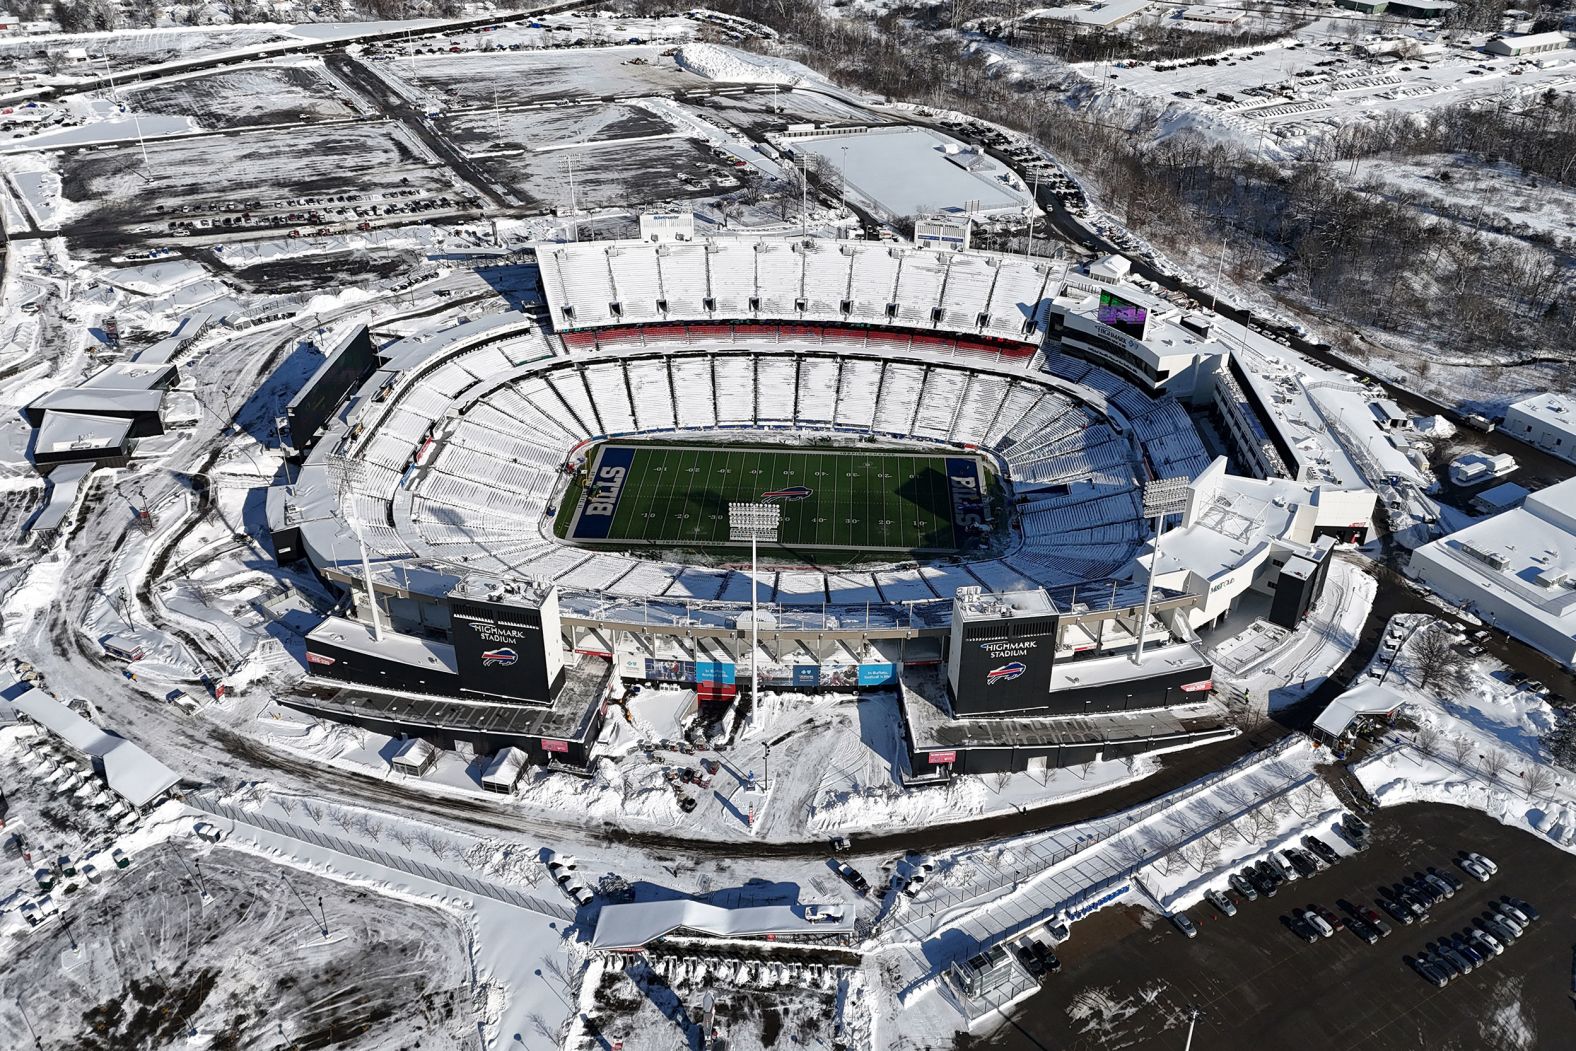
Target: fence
pixel 447 877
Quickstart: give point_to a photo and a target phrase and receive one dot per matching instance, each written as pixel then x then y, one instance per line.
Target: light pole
pixel 1162 497
pixel 1193 1014
pixel 754 522
pixel 842 182
pixel 766 762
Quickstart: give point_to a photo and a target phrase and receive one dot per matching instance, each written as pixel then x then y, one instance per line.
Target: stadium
pixel 529 515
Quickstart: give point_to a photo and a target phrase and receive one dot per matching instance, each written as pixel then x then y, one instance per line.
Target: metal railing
pixel 447 877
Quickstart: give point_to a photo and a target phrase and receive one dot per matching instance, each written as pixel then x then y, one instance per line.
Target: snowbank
pixel 738 67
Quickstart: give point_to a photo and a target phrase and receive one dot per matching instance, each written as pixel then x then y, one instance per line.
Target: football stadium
pixel 1006 488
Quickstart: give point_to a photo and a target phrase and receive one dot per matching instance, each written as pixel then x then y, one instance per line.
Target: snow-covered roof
pixel 65 485
pixel 504 767
pixel 1556 411
pixel 130 772
pixel 633 924
pixel 605 283
pixel 1520 563
pixel 1366 698
pixel 1552 37
pixel 100 400
pixel 69 431
pixel 131 375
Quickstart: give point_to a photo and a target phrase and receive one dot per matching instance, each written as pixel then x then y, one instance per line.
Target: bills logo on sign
pixel 1203 685
pixel 503 657
pixel 318 658
pixel 792 493
pixel 1006 673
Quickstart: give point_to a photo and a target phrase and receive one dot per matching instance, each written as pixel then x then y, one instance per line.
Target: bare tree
pixel 1303 800
pixel 365 826
pixel 313 811
pixel 1538 779
pixel 1191 854
pixel 1086 769
pixel 1427 738
pixel 1129 851
pixel 1494 761
pixel 1000 780
pixel 1435 663
pixel 402 836
pixel 344 819
pixel 1461 747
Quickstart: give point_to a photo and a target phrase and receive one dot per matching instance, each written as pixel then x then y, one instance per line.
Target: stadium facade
pixel 430 496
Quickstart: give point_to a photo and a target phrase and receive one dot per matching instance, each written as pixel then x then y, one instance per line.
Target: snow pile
pixel 1434 426
pixel 725 64
pixel 890 805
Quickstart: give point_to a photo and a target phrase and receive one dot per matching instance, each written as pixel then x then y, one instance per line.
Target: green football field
pixel 854 500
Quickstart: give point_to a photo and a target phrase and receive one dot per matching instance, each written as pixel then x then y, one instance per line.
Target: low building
pixel 1507 496
pixel 1400 8
pixel 131 773
pixel 1517 570
pixel 503 771
pixel 1546 421
pixel 1528 44
pixel 414 757
pixel 78 437
pixel 630 926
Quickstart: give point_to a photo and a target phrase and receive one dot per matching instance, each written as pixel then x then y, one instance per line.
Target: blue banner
pixel 723 672
pixel 877 674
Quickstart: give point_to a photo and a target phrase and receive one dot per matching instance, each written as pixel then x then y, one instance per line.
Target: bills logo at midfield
pixel 792 493
pixel 503 657
pixel 1006 673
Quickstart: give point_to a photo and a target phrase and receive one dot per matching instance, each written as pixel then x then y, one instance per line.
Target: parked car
pixel 1184 923
pixel 1488 866
pixel 1507 922
pixel 1440 885
pixel 1335 922
pixel 1301 861
pixel 1243 886
pixel 1362 929
pixel 823 913
pixel 1047 957
pixel 120 859
pixel 1473 869
pixel 1374 920
pixel 1284 866
pixel 1526 909
pixel 1317 922
pixel 850 876
pixel 1030 962
pixel 1322 849
pixel 1465 947
pixel 1220 901
pixel 1506 908
pixel 1485 939
pixel 1455 884
pixel 1397 911
pixel 1502 933
pixel 1458 961
pixel 1298 926
pixel 1429 973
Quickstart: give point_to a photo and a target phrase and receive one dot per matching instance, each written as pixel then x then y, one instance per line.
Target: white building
pixel 1517 570
pixel 1546 421
pixel 1531 44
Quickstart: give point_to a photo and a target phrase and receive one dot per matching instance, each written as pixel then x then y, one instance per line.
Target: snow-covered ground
pixel 1478 747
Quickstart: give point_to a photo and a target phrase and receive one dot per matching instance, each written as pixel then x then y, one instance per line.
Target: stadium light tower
pixel 754 522
pixel 1162 497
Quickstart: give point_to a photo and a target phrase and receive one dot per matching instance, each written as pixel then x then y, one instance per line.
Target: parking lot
pixel 1130 978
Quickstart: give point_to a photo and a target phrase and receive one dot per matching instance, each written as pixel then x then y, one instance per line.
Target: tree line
pixel 1368 258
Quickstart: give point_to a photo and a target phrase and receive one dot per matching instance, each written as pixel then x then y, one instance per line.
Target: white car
pixel 1488 866
pixel 209 831
pixel 1314 920
pixel 1473 869
pixel 823 913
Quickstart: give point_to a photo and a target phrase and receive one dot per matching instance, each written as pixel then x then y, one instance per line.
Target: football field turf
pixel 849 500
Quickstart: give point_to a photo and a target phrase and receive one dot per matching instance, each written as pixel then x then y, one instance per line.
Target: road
pixel 1259 987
